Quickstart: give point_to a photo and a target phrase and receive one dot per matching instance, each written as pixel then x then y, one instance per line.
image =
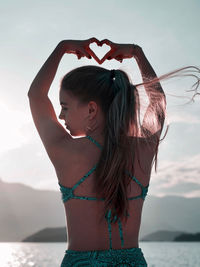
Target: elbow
pixel 34 94
pixel 30 93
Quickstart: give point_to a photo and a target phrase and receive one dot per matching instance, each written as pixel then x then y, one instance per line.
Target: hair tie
pixel 112 74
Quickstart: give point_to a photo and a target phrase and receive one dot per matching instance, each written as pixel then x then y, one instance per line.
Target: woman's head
pixel 86 94
pixel 78 116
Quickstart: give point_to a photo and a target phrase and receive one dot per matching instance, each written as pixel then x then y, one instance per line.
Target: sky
pixel 167 31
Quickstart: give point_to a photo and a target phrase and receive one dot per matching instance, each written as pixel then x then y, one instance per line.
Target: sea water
pixel 157 254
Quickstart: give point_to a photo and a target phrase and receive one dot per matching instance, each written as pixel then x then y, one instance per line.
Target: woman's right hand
pixel 120 51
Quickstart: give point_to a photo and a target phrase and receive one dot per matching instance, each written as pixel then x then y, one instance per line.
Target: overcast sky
pixel 168 32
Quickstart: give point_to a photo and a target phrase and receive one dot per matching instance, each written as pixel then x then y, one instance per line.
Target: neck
pixel 97 137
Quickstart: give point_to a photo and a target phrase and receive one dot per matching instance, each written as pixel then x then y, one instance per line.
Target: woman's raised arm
pixel 155 113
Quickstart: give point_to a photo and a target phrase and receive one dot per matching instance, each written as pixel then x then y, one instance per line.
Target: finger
pixel 119 58
pixel 88 55
pixel 109 55
pixel 104 58
pixel 84 52
pixel 79 55
pixel 93 39
pixel 92 54
pixel 106 41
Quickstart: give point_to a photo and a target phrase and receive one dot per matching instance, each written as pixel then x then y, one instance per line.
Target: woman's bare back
pixel 85 231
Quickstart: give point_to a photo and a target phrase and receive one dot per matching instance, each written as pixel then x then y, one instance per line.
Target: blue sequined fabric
pixel 104 258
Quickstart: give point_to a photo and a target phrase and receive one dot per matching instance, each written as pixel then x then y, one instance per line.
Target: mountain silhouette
pixel 25 211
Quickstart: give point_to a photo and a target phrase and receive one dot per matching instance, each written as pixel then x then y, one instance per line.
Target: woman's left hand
pixel 80 47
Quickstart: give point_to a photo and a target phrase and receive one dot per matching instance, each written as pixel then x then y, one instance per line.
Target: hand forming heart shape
pixel 118 51
pixel 91 52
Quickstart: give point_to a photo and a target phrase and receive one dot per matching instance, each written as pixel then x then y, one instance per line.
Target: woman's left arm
pixel 42 82
pixel 50 130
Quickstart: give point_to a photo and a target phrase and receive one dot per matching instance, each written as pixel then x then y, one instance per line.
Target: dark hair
pixel 119 101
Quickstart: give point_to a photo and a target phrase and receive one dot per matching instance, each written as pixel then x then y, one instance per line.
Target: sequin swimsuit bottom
pixel 104 258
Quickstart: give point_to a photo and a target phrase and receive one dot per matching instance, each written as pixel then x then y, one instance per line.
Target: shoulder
pixel 70 152
pixel 73 147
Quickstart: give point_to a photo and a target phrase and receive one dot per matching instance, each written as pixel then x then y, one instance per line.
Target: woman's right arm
pixel 155 113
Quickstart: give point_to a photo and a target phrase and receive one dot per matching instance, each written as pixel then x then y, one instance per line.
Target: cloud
pixel 181 177
pixel 186 118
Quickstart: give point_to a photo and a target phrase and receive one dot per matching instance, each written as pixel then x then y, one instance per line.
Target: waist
pixel 100 246
pixel 106 252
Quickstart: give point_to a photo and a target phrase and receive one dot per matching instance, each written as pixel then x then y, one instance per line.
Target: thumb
pixel 88 55
pixel 119 58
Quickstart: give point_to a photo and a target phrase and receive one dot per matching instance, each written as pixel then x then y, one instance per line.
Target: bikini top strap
pixel 94 141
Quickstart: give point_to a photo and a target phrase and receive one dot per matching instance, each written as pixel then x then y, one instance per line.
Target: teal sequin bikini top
pixel 67 194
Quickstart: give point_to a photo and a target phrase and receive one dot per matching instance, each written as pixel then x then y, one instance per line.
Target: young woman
pixel 104 175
